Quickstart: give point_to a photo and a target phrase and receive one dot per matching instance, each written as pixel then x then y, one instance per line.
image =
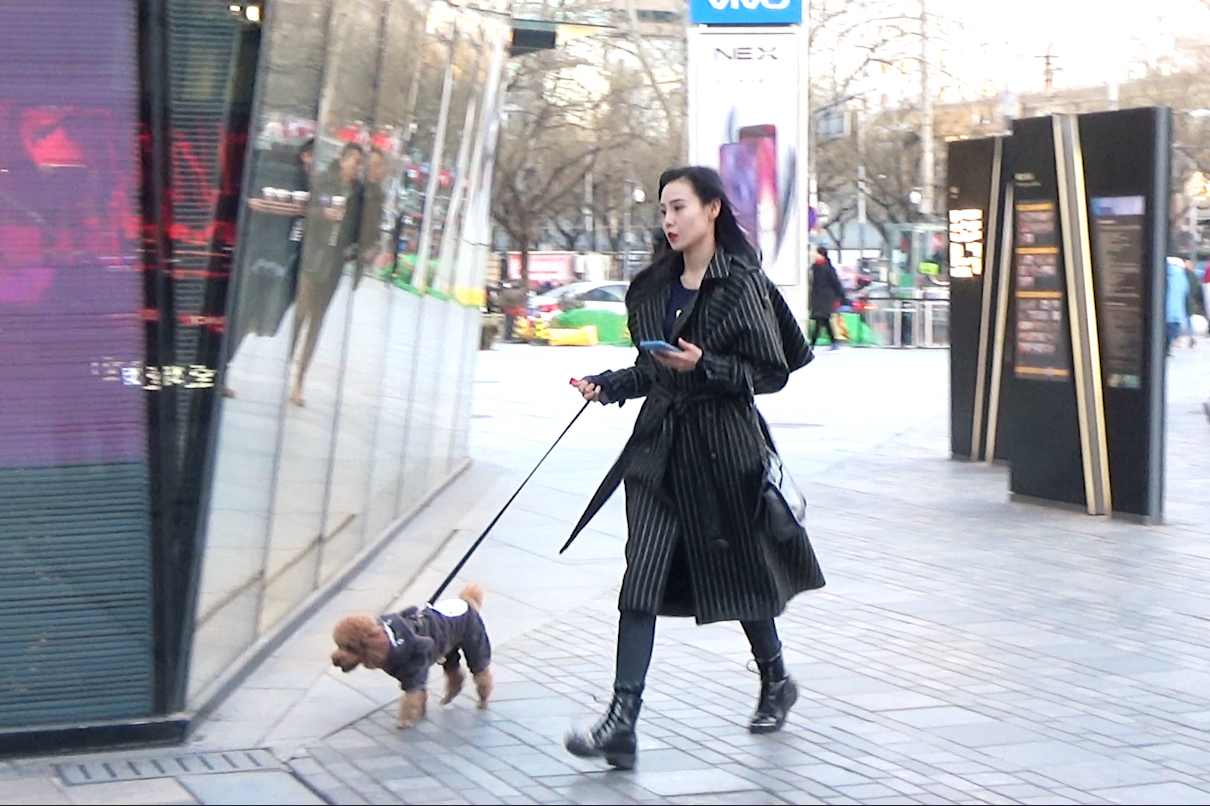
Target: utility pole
pixel 1194 230
pixel 589 225
pixel 926 128
pixel 1048 77
pixel 628 189
pixel 1048 69
pixel 861 185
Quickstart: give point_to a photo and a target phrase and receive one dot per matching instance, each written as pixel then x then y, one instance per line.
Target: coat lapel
pixel 649 315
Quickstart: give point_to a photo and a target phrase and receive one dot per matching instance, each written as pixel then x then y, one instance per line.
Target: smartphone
pixel 658 344
pixel 763 140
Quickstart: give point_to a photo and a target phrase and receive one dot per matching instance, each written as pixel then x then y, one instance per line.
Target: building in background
pixel 201 202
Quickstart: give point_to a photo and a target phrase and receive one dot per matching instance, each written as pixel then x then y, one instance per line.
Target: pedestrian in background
pixel 513 300
pixel 827 294
pixel 1176 302
pixel 1205 286
pixel 694 466
pixel 1194 306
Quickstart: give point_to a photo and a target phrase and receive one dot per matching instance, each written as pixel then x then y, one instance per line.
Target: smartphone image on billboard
pixel 737 169
pixel 763 139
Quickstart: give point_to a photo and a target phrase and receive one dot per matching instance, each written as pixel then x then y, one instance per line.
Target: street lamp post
pixel 634 195
pixel 927 170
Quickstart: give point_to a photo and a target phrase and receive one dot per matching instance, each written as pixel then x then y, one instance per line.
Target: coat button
pixel 720 544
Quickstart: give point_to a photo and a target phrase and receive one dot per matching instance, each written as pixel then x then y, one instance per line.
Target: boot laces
pixel 608 722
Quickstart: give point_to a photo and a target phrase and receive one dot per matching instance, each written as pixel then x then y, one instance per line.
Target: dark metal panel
pixel 1125 156
pixel 75 595
pixel 969 178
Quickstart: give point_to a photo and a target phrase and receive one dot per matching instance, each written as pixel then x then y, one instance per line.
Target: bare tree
pixel 568 116
pixel 866 58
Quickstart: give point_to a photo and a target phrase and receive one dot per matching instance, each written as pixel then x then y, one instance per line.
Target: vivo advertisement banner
pixel 744 120
pixel 745 12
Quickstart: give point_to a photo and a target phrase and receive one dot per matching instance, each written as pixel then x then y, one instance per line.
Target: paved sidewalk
pixel 965 650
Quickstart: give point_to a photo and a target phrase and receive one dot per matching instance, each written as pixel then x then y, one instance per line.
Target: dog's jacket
pixel 421 637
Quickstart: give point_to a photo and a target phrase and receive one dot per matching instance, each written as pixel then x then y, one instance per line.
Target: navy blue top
pixel 677 300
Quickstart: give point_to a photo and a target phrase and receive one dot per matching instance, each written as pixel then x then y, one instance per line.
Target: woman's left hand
pixel 684 361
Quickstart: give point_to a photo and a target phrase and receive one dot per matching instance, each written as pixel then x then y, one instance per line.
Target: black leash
pixel 474 546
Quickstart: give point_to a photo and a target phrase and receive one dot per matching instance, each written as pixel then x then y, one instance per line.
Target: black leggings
pixel 636 637
pixel 821 321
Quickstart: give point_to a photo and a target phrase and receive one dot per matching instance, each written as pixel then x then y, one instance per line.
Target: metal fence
pixel 908 323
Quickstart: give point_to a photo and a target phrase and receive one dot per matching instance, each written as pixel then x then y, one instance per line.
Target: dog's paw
pixel 411 708
pixel 453 686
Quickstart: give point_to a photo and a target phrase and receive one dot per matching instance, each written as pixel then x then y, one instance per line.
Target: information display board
pixel 1118 252
pixel 1042 341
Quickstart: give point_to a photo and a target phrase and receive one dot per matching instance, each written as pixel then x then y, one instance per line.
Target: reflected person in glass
pixel 329 233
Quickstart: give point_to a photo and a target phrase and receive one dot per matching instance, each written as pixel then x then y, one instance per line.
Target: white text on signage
pixel 745 54
pixel 966 243
pixel 773 5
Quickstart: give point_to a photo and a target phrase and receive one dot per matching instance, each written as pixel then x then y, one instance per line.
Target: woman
pixel 826 292
pixel 694 465
pixel 331 227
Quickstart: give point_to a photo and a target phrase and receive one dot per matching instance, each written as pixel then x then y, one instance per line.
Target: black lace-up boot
pixel 612 738
pixel 777 696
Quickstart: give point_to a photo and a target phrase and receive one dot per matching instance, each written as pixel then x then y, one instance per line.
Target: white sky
pixel 1090 38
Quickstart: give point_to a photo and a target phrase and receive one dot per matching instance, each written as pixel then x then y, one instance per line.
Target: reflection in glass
pixel 359 390
pixel 349 353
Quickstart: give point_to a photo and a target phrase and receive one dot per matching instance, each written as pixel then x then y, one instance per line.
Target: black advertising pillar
pixel 1126 169
pixel 1089 200
pixel 976 214
pixel 1042 428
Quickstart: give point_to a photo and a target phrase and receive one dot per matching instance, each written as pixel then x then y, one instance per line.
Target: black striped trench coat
pixel 694 465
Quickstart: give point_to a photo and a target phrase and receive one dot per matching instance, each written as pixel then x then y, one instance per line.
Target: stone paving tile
pixel 863 793
pixel 728 798
pixel 156 791
pixel 1156 793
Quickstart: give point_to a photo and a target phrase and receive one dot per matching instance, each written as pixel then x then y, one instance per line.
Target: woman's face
pixel 350 164
pixel 687 222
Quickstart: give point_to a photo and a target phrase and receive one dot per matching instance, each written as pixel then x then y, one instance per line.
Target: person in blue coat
pixel 1176 301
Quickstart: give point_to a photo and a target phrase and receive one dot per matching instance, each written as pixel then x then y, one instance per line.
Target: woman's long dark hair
pixel 708 186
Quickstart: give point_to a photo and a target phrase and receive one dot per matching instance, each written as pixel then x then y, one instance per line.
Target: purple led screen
pixel 71 332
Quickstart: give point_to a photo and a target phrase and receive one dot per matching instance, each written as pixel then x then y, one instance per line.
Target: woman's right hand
pixel 590 390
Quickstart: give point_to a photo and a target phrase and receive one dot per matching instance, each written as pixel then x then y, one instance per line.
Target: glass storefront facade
pixel 348 364
pixel 242 255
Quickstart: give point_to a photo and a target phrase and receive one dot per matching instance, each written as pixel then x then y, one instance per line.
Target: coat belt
pixel 658 428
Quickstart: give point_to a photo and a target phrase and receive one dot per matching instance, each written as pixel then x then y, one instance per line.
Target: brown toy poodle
pixel 406 644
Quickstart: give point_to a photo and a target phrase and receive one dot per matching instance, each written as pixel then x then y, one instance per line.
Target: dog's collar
pixel 395 640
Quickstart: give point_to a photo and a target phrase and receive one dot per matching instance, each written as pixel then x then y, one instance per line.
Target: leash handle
pixel 480 539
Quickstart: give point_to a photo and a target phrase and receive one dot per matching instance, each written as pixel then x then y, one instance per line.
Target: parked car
pixel 869 297
pixel 609 295
pixel 548 301
pixel 865 298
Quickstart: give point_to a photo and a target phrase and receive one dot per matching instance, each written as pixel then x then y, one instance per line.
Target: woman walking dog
pixel 694 466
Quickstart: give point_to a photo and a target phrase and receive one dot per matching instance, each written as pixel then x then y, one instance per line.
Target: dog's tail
pixel 472 594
